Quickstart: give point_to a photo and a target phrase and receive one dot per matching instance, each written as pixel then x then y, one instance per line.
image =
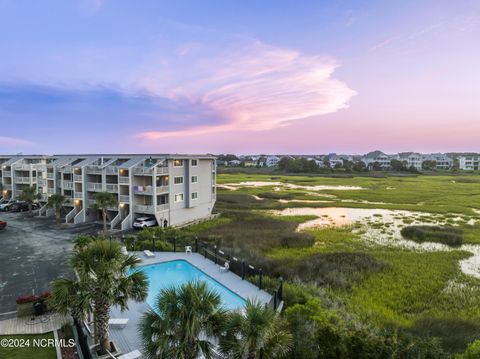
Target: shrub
pixel 446 235
pixel 472 352
pixel 32 298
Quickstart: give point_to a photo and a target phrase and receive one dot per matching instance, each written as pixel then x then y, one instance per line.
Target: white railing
pixel 161 170
pixel 93 169
pixel 111 170
pixel 116 220
pixel 145 190
pixel 43 182
pixel 67 184
pixel 50 175
pixel 23 167
pixel 67 169
pixel 7 173
pixel 80 217
pixel 162 207
pixel 144 208
pixel 78 178
pixel 94 186
pixel 7 186
pixel 124 198
pixel 50 190
pixel 78 195
pixel 162 189
pixel 68 201
pixel 126 223
pixel 70 215
pixel 123 179
pixel 142 171
pixel 42 210
pixel 112 188
pixel 22 180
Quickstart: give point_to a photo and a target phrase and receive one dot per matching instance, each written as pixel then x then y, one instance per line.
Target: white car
pixel 6 206
pixel 143 222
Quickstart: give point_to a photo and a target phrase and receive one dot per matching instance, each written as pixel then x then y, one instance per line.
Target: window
pixel 177 163
pixel 178 180
pixel 179 197
pixel 194 163
pixel 194 179
pixel 194 195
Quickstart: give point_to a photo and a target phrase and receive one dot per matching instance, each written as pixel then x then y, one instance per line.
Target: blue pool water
pixel 178 272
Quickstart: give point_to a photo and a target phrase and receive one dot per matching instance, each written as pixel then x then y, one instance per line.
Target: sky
pixel 270 76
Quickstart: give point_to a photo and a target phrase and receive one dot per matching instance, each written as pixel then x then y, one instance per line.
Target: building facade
pixel 175 189
pixel 469 163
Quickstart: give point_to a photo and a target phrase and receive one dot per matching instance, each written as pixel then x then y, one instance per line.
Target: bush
pixel 446 235
pixel 32 298
pixel 472 352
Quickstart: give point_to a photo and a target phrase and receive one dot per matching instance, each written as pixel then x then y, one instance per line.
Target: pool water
pixel 177 272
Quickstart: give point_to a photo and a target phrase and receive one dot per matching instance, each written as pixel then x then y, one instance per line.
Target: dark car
pixel 3 224
pixel 19 207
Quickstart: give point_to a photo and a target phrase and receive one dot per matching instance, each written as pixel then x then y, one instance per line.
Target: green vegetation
pixel 446 235
pixel 56 202
pixel 27 351
pixel 102 201
pixel 30 195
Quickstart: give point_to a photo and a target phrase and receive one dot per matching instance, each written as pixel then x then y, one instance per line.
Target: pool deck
pixel 128 339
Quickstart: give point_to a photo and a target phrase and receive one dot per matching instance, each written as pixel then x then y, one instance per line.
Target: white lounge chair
pixel 148 253
pixel 118 322
pixel 225 267
pixel 124 250
pixel 132 355
pixel 188 249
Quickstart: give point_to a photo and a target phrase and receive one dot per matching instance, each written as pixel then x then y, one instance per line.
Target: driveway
pixel 33 252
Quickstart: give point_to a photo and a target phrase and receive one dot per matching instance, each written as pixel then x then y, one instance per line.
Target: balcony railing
pixel 95 187
pixel 142 171
pixel 22 180
pixel 49 175
pixel 144 208
pixel 67 184
pixel 67 169
pixel 124 180
pixel 113 188
pixel 93 169
pixel 162 189
pixel 18 192
pixel 7 186
pixel 124 199
pixel 78 178
pixel 148 190
pixel 111 170
pixel 161 170
pixel 162 207
pixel 7 173
pixel 69 201
pixel 50 190
pixel 23 167
pixel 78 195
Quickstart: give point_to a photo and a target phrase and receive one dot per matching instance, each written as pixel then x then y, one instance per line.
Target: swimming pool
pixel 177 272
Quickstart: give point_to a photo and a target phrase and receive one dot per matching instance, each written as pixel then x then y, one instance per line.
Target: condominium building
pixel 377 157
pixel 175 189
pixel 469 163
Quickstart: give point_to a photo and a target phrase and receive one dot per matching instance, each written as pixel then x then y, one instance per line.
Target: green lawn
pixel 28 351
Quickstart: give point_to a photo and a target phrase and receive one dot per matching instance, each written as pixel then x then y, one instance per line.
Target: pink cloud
pixel 257 87
pixel 14 142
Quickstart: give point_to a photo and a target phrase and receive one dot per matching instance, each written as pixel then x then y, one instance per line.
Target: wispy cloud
pixel 259 87
pixel 14 142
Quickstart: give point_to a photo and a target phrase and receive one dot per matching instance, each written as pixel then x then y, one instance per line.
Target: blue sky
pixel 239 76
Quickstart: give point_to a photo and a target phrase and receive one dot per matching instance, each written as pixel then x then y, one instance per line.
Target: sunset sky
pixel 244 76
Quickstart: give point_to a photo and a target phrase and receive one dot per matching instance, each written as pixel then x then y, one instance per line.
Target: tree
pixel 188 313
pixel 56 202
pixel 257 332
pixel 376 166
pixel 30 195
pixel 103 200
pixel 106 277
pixel 429 165
pixel 398 165
pixel 360 166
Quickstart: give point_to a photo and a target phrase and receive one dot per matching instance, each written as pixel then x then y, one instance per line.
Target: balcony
pixel 142 171
pixel 7 173
pixel 124 198
pixel 7 186
pixel 93 169
pixel 50 175
pixel 50 190
pixel 144 208
pixel 162 207
pixel 42 182
pixel 143 190
pixel 68 201
pixel 78 195
pixel 162 189
pixel 113 188
pixel 22 180
pixel 23 167
pixel 67 184
pixel 67 169
pixel 161 170
pixel 96 187
pixel 77 178
pixel 124 180
pixel 111 170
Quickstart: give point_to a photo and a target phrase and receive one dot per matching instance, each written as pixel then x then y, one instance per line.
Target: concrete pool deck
pixel 128 338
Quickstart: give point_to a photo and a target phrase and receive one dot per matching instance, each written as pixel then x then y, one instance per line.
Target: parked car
pixel 143 222
pixel 19 206
pixel 5 207
pixel 3 224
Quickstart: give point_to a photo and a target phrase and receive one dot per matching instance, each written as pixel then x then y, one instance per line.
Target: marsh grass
pixel 446 235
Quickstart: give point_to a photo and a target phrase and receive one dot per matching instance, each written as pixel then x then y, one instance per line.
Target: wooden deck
pixel 33 325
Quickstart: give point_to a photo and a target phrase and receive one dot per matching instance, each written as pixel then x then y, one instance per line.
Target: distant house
pixel 381 158
pixel 272 161
pixel 443 162
pixel 250 163
pixel 412 159
pixel 469 163
pixel 334 160
pixel 234 163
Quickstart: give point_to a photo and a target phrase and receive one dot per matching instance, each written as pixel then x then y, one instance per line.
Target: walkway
pixel 33 325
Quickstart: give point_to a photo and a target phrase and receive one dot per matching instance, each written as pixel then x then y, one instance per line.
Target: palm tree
pixel 30 195
pixel 103 200
pixel 56 202
pixel 106 277
pixel 254 333
pixel 182 319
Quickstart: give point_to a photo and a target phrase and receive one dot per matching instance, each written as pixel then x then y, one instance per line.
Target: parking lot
pixel 33 252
